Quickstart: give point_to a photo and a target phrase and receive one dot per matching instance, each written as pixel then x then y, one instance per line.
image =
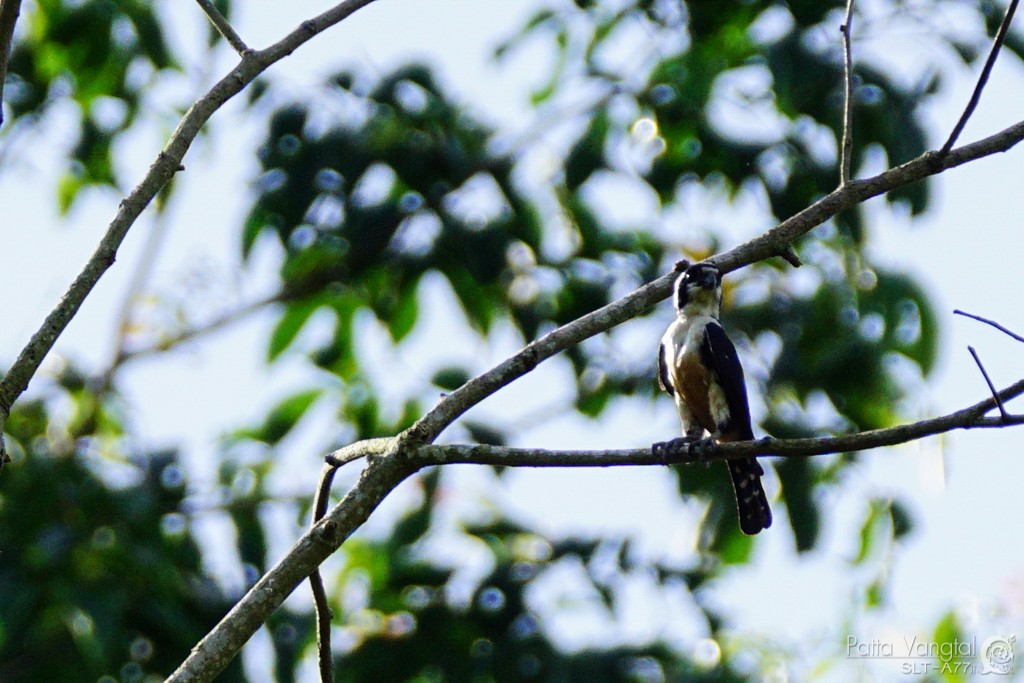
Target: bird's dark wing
pixel 663 379
pixel 718 353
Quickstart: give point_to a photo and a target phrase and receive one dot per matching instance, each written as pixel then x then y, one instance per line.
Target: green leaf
pixel 949 638
pixel 587 155
pixel 484 433
pixel 285 415
pixel 295 316
pixel 251 230
pixel 403 313
pixel 902 520
pixel 67 189
pixel 544 93
pixel 797 477
pixel 450 378
pixel 537 20
pixel 877 510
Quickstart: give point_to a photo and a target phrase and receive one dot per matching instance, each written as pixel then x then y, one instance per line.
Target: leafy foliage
pixel 102 576
pixel 100 54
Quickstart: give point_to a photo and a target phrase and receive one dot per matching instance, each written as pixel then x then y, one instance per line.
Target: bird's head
pixel 699 290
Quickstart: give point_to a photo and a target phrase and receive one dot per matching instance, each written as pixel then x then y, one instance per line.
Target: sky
pixel 963 487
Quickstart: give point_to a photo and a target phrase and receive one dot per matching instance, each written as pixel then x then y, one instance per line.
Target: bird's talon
pixel 676 450
pixel 660 451
pixel 702 451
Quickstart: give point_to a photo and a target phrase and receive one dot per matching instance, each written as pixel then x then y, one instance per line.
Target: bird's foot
pixel 702 450
pixel 685 449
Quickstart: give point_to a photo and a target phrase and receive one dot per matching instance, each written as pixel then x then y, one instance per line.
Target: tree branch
pixel 9 11
pixel 972 417
pixel 997 43
pixel 224 28
pixel 847 146
pixel 143 267
pixel 167 163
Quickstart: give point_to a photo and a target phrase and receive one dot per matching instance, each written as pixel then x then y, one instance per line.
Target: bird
pixel 698 366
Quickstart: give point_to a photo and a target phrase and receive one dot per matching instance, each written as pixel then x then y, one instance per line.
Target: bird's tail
pixel 751 503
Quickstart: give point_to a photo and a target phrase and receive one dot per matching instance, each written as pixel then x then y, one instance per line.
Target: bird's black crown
pixel 699 276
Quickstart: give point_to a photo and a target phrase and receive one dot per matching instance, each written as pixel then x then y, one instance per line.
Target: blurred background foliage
pixel 379 181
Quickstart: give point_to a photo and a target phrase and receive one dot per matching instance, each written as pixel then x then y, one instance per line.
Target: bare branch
pixel 989 322
pixel 9 11
pixel 991 387
pixel 847 146
pixel 167 163
pixel 997 43
pixel 772 243
pixel 224 28
pixel 316 581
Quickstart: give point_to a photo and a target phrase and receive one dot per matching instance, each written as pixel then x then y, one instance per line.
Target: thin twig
pixel 193 333
pixel 9 11
pixel 997 43
pixel 989 322
pixel 224 28
pixel 847 149
pixel 316 581
pixel 143 267
pixel 991 387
